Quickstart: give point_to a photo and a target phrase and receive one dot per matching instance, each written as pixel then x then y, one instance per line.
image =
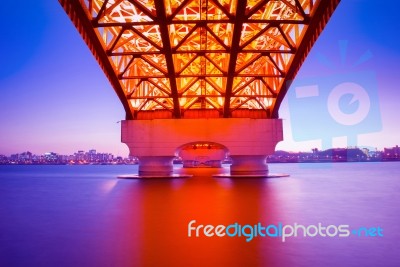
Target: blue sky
pixel 54 97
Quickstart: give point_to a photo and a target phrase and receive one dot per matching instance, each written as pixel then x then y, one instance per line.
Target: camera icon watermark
pixel 341 104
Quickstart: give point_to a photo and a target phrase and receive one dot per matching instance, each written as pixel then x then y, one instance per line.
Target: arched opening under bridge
pixel 202 154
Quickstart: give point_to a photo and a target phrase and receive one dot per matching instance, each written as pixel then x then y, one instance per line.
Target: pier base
pixel 156 166
pixel 249 165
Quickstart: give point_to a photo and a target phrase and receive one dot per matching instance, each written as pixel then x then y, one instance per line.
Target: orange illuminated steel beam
pixel 169 58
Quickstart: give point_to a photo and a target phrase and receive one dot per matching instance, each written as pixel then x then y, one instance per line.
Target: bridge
pixel 195 72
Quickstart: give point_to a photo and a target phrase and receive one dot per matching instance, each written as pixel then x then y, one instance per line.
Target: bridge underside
pixel 196 71
pixel 200 58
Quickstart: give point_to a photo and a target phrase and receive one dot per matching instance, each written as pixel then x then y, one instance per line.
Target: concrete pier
pixel 156 142
pixel 155 165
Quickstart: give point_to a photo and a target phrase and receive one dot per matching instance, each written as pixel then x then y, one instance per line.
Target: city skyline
pixel 95 151
pixel 55 96
pixel 81 157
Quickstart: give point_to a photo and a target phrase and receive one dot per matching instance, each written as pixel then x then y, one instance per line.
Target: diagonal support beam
pixel 319 19
pixel 162 18
pixel 80 19
pixel 237 32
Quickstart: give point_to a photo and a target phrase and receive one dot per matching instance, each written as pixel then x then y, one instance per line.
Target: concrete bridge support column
pixel 155 142
pixel 249 165
pixel 155 165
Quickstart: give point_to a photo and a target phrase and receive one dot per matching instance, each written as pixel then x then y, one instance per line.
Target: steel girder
pixel 180 55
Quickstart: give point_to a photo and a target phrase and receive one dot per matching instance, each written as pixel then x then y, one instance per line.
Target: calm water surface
pixel 84 216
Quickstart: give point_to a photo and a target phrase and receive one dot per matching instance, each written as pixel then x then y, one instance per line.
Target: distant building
pixel 51 157
pixel 391 153
pixel 3 159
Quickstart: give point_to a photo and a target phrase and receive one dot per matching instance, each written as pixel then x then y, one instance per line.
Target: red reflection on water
pixel 166 209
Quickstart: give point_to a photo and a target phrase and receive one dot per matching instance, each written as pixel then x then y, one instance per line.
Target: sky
pixel 55 97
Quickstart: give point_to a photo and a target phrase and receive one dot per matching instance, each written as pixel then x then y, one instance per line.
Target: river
pixel 85 216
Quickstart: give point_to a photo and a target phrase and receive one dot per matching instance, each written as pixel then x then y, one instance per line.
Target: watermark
pixel 344 103
pixel 280 230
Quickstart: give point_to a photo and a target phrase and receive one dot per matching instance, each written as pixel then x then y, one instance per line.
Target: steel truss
pixel 176 56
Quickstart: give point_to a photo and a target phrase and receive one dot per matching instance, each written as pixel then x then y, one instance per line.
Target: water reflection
pixel 167 206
